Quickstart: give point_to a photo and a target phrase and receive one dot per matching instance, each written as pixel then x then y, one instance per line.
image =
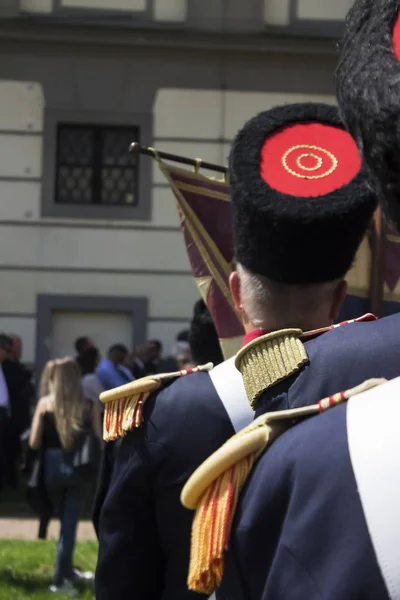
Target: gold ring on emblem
pixel 307 155
pixel 333 158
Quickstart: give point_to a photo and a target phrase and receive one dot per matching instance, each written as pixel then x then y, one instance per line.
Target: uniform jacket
pixel 300 531
pixel 338 360
pixel 144 530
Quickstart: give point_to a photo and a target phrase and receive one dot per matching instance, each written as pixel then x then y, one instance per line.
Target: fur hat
pixel 368 89
pixel 300 196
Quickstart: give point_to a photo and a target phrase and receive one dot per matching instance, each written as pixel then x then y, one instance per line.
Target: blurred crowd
pixel 52 431
pixel 21 388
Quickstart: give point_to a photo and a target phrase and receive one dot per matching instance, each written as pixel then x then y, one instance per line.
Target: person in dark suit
pixel 136 361
pixel 5 410
pixel 21 397
pixel 203 338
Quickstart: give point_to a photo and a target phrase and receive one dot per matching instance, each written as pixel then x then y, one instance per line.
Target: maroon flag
pixel 377 265
pixel 391 258
pixel 204 210
pixel 385 256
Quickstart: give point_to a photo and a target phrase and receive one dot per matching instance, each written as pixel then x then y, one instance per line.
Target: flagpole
pixel 136 148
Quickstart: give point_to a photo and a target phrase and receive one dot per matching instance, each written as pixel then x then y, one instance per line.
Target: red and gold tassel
pixel 212 525
pixel 124 405
pixel 121 416
pixel 214 488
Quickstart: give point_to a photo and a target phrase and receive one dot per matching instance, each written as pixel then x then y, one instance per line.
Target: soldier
pixel 319 515
pixel 302 220
pixel 144 532
pixel 301 204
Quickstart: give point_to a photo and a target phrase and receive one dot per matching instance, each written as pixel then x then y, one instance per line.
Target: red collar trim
pixel 256 333
pixel 253 335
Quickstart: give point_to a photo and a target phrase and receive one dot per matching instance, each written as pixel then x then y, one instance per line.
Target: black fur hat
pixel 300 197
pixel 368 89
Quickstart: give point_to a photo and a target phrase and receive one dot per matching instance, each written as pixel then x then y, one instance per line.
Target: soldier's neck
pixel 306 324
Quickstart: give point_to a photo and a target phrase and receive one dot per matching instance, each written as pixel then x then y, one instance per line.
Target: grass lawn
pixel 26 568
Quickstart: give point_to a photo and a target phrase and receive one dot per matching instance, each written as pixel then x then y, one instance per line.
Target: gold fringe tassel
pixel 124 405
pixel 270 359
pixel 123 415
pixel 212 525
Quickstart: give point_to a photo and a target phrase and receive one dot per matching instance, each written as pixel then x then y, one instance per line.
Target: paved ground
pixel 26 529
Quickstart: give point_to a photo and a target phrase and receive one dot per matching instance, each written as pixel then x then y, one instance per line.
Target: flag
pixel 205 216
pixel 374 279
pixel 391 273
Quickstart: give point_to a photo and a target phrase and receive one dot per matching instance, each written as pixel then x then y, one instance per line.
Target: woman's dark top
pixel 51 439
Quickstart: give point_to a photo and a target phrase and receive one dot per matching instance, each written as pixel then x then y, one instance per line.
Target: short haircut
pixel 288 304
pixel 157 344
pixel 203 337
pixel 81 344
pixel 5 341
pixel 118 349
pixel 183 336
pixel 88 360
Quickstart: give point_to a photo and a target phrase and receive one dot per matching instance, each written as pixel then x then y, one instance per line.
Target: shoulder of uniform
pixel 124 404
pixel 213 489
pixel 269 359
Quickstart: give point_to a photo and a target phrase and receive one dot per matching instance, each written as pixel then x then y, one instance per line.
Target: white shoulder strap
pixel 373 436
pixel 228 383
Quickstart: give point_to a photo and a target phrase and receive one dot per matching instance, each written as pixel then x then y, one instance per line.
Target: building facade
pixel 89 238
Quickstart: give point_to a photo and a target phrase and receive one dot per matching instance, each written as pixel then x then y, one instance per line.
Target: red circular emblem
pixel 309 160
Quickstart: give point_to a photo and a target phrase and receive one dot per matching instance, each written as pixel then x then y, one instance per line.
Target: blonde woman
pixel 61 417
pixel 44 386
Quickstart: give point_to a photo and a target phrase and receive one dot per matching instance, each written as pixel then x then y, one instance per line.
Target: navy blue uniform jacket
pixel 144 530
pixel 339 360
pixel 300 531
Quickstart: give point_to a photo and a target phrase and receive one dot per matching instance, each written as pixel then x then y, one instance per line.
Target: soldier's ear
pixel 339 297
pixel 234 285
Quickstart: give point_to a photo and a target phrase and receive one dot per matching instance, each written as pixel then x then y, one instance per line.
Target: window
pixel 322 18
pixel 94 165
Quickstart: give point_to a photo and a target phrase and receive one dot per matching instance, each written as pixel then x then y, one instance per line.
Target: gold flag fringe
pixel 124 405
pixel 213 490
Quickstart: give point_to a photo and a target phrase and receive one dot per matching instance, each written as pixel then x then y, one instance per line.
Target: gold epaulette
pixel 269 359
pixel 213 489
pixel 124 404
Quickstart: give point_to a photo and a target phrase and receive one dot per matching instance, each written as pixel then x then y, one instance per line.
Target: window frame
pixel 306 27
pixel 9 9
pixel 97 164
pixel 46 304
pixel 104 13
pixel 51 208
